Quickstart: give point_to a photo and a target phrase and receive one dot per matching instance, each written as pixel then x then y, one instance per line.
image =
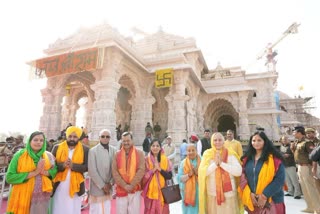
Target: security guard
pixel 311 136
pixel 301 149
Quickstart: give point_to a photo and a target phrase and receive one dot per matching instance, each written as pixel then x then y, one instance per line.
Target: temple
pixel 115 78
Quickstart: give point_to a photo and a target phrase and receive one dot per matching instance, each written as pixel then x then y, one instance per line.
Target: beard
pixel 72 143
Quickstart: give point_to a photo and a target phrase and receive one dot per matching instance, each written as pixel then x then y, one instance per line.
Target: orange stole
pixel 127 169
pixel 76 178
pixel 21 194
pixel 190 185
pixel 223 181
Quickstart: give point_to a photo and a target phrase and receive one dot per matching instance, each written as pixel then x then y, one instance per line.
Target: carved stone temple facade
pixel 122 89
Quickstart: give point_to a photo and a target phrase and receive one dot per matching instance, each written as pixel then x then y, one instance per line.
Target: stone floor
pixel 293 206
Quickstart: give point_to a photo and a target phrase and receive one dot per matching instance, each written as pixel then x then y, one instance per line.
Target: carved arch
pixel 228 98
pixel 135 91
pixel 218 108
pixel 85 79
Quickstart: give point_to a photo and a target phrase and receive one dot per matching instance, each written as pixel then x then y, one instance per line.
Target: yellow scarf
pixel 76 178
pixel 190 185
pixel 21 194
pixel 154 190
pixel 266 176
pixel 205 162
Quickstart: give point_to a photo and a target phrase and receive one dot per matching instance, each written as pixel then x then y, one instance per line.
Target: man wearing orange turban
pixel 72 161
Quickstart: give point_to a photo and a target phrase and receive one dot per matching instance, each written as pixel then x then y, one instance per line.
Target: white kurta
pixel 232 166
pixel 62 202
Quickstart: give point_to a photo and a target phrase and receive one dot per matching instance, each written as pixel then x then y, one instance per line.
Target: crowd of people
pixel 214 174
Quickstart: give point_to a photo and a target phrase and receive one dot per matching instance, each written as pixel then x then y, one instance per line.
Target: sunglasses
pixel 105 136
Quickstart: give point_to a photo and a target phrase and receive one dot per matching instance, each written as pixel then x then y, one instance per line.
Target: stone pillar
pixel 141 114
pixel 47 99
pixel 54 122
pixel 50 121
pixel 106 89
pixel 88 115
pixel 275 128
pixel 103 114
pixel 191 117
pixel 244 130
pixel 177 124
pixel 74 106
pixel 200 120
pixel 65 113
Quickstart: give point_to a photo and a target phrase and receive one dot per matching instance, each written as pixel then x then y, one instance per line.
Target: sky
pixel 231 32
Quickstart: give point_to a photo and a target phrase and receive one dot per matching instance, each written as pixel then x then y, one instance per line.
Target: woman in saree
pixel 217 171
pixel 158 170
pixel 262 181
pixel 30 172
pixel 188 180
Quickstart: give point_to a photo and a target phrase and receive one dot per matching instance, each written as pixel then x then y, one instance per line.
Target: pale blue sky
pixel 232 32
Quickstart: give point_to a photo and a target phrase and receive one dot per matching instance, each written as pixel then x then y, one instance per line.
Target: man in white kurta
pixel 100 173
pixel 66 163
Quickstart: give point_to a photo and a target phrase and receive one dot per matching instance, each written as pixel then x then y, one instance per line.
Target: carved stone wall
pixel 177 107
pixel 197 99
pixel 160 110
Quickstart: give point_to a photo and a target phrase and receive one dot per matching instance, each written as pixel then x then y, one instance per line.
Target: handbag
pixel 171 193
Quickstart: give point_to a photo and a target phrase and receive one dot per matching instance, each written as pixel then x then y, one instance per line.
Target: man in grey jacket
pixel 100 173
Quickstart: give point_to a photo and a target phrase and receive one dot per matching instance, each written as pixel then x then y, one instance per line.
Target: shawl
pixel 190 185
pixel 205 162
pixel 21 194
pixel 266 175
pixel 76 178
pixel 127 169
pixel 157 181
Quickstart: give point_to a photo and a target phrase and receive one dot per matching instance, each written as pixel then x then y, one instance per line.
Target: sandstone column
pixel 177 127
pixel 141 114
pixel 103 114
pixel 244 130
pixel 106 90
pixel 48 99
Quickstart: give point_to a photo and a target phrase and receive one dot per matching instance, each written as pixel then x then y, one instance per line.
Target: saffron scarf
pixel 21 194
pixel 190 185
pixel 76 178
pixel 127 168
pixel 205 162
pixel 157 180
pixel 266 175
pixel 223 181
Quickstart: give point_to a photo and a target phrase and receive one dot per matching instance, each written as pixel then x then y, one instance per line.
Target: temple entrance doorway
pixel 221 116
pixel 226 122
pixel 76 105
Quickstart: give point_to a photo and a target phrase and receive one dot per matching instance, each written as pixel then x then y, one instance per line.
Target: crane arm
pixel 292 29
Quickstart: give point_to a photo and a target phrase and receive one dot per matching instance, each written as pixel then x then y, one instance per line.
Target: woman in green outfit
pixel 30 172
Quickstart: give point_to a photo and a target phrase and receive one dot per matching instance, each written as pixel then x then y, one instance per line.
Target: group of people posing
pixel 229 182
